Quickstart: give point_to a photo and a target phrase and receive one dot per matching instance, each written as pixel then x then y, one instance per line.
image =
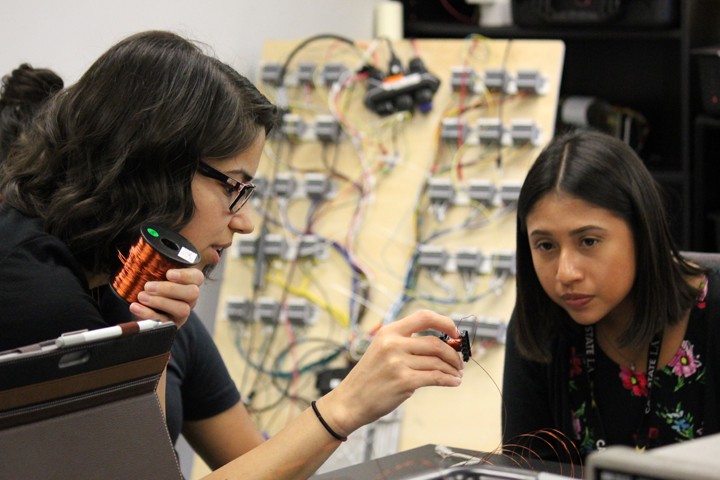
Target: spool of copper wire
pixel 157 250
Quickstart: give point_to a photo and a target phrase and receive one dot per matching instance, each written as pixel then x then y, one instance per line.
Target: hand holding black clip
pixel 461 344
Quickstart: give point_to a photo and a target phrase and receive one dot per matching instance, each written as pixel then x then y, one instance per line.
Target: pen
pixel 72 339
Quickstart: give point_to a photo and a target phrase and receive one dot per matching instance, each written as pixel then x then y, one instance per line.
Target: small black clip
pixel 461 344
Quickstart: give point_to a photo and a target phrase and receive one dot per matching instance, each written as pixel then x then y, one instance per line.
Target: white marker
pixel 82 337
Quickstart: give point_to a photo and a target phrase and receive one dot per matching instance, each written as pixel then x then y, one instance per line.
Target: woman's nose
pixel 242 220
pixel 568 270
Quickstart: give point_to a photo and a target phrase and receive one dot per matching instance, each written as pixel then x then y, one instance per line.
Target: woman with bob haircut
pixel 611 337
pixel 156 131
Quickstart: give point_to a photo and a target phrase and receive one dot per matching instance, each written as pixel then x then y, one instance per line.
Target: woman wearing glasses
pixel 158 132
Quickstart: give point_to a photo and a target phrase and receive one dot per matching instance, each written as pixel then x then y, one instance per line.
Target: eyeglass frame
pixel 240 187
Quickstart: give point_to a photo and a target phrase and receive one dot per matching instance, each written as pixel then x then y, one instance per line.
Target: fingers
pixel 424 320
pixel 430 348
pixel 420 354
pixel 170 300
pixel 396 363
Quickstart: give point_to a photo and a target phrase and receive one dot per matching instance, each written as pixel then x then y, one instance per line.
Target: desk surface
pixel 421 462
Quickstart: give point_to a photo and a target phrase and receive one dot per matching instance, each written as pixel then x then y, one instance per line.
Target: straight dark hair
pixel 121 146
pixel 603 171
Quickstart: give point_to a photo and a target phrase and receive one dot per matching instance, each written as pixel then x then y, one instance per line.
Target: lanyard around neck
pixel 641 435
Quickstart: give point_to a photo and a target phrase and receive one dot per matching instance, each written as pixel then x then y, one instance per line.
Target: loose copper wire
pixel 143 264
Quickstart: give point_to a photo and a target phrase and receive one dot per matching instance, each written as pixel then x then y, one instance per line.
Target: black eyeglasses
pixel 240 191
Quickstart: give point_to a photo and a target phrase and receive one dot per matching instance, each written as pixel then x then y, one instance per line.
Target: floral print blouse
pixel 676 395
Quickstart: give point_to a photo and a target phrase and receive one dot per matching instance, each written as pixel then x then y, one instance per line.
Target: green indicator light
pixel 153 232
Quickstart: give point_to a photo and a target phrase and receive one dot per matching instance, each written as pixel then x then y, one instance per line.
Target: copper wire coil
pixel 156 251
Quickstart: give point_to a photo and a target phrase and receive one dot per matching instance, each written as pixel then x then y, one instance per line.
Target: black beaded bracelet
pixel 324 423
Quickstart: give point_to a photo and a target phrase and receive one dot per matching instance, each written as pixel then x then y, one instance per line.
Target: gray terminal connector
pixel 239 310
pixel 332 73
pixel 469 260
pixel 300 312
pixel 293 125
pixel 524 132
pixel 310 246
pixel 490 131
pixel 284 185
pixel 532 82
pixel 317 185
pixel 441 190
pixel 462 77
pixel 497 79
pixel 481 328
pixel 274 245
pixel 510 191
pixel 503 262
pixel 453 130
pixel 432 257
pixel 306 73
pixel 327 129
pixel 272 73
pixel 246 247
pixel 267 310
pixel 482 190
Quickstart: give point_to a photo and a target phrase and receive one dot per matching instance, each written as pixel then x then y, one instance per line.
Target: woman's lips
pixel 575 301
pixel 217 253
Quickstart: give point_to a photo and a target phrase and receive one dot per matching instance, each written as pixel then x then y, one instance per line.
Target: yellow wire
pixel 334 312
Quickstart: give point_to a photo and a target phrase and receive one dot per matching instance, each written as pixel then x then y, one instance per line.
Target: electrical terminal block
pixel 306 73
pixel 503 262
pixel 293 125
pixel 524 132
pixel 441 194
pixel 469 260
pixel 274 245
pixel 267 310
pixel 482 190
pixel 239 310
pixel 311 246
pixel 469 263
pixel 284 185
pixel 453 130
pixel 317 185
pixel 432 257
pixel 441 190
pixel 245 247
pixel 481 328
pixel 510 191
pixel 332 73
pixel 300 312
pixel 272 74
pixel 498 80
pixel 327 129
pixel 490 131
pixel 532 82
pixel 462 77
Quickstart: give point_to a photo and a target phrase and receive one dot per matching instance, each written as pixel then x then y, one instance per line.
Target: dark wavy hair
pixel 23 92
pixel 605 172
pixel 120 147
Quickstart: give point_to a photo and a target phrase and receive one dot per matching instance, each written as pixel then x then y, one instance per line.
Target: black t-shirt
pixel 44 293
